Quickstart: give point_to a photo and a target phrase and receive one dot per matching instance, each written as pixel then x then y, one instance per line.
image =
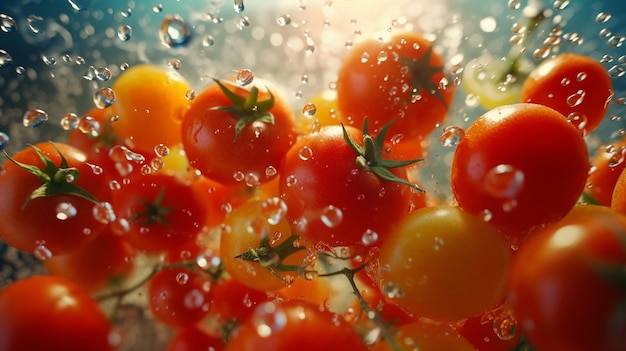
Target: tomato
pixel 389 312
pixel 443 263
pixel 179 296
pixel 567 283
pixel 235 301
pixel 618 199
pixel 333 199
pixel 61 220
pixel 425 336
pixel 157 211
pixel 575 85
pixel 51 313
pixel 606 167
pixel 194 339
pixel 316 291
pixel 399 79
pixel 491 331
pixel 238 136
pixel 150 103
pixel 247 227
pixel 294 325
pixel 104 260
pixel 520 166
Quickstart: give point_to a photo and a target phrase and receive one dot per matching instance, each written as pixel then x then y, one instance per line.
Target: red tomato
pixel 520 166
pixel 178 296
pixel 567 283
pixel 618 199
pixel 51 313
pixel 194 339
pixel 606 167
pixel 235 301
pixel 236 141
pixel 575 85
pixel 425 336
pixel 294 325
pixel 157 211
pixel 94 265
pixel 333 199
pixel 481 331
pixel 443 263
pixel 59 222
pixel 401 79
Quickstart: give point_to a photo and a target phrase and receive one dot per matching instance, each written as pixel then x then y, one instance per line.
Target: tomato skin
pixel 20 230
pixel 150 103
pixel 294 325
pixel 178 296
pixel 99 262
pixel 376 88
pixel 209 138
pixel 425 336
pixel 194 339
pixel 183 219
pixel 233 300
pixel 51 313
pixel 607 165
pixel 443 263
pixel 545 161
pixel 557 289
pixel 574 85
pixel 328 176
pixel 618 199
pixel 479 330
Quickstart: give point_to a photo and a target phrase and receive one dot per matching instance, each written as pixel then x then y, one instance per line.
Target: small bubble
pixel 392 290
pixel 34 117
pixel 158 8
pixel 274 209
pixel 283 20
pixel 182 278
pixel 331 216
pixel 69 121
pixel 291 180
pixel 573 38
pixel 243 23
pixel 560 4
pixel 103 212
pixel 605 33
pixel 270 171
pixel 35 23
pixel 305 153
pixel 542 52
pixel 7 23
pixel 190 94
pixel 19 69
pixel 124 32
pixel 175 64
pixel 48 60
pixel 65 211
pixel 208 40
pixel 603 17
pixel 451 136
pixel 310 46
pixel 88 125
pixel 616 41
pixel 104 97
pixel 161 150
pixel 369 237
pixel 616 71
pixel 103 74
pixel 514 4
pixel 505 326
pixel 244 77
pixel 174 31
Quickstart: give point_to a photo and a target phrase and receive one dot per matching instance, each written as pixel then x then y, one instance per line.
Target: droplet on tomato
pixel 504 181
pixel 41 251
pixel 578 120
pixel 451 136
pixel 103 212
pixel 252 179
pixel 505 325
pixel 331 216
pixel 268 318
pixel 392 290
pixel 305 153
pixel 274 210
pixel 65 211
pixel 576 98
pixel 369 237
pixel 34 118
pixel 182 278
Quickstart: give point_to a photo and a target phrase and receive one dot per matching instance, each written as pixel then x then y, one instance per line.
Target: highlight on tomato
pixel 567 285
pixel 520 166
pixel 606 166
pixel 400 78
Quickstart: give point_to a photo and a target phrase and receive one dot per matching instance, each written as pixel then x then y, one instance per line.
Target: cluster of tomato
pixel 247 215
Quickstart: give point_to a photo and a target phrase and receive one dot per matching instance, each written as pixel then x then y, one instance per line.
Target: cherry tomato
pixel 484 331
pixel 157 211
pixel 238 136
pixel 618 199
pixel 606 167
pixel 426 336
pixel 178 296
pixel 316 291
pixel 62 219
pixel 399 79
pixel 150 103
pixel 575 85
pixel 235 301
pixel 567 283
pixel 520 166
pixel 194 339
pixel 100 262
pixel 333 199
pixel 51 313
pixel 255 222
pixel 443 263
pixel 294 325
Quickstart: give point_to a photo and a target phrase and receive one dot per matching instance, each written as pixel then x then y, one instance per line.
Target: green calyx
pixel 369 156
pixel 271 258
pixel 246 110
pixel 154 212
pixel 421 74
pixel 55 180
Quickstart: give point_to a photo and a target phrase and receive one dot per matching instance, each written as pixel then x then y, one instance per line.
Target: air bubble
pixel 88 125
pixel 42 252
pixel 331 216
pixel 175 64
pixel 34 118
pixel 505 326
pixel 392 290
pixel 103 212
pixel 514 4
pixel 369 237
pixel 561 4
pixel 616 71
pixel 182 278
pixel 104 97
pixel 244 77
pixel 451 136
pixel 239 6
pixel 174 31
pixel 103 74
pixel 65 211
pixel 161 150
pixel 208 40
pixel 124 32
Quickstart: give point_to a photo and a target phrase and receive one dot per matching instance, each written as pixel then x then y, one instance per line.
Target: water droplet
pixel 7 23
pixel 161 150
pixel 4 140
pixel 42 252
pixel 244 77
pixel 174 31
pixel 194 299
pixel 158 8
pixel 305 153
pixel 270 171
pixel 103 74
pixel 90 126
pixel 35 23
pixel 208 40
pixel 274 209
pixel 103 212
pixel 578 120
pixel 268 318
pixel 309 109
pixel 616 41
pixel 291 180
pixel 104 97
pixel 19 69
pixel 34 117
pixel 65 210
pixel 331 216
pixel 252 179
pixel 514 4
pixel 573 38
pixel 284 20
pixel 79 5
pixel 190 94
pixel 504 181
pixel 560 4
pixel 581 76
pixel 576 98
pixel 5 58
pixel 542 52
pixel 505 325
pixel 243 23
pixel 124 32
pixel 603 17
pixel 392 290
pixel 175 64
pixel 616 71
pixel 369 237
pixel 69 121
pixel 451 136
pixel 382 56
pixel 239 6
